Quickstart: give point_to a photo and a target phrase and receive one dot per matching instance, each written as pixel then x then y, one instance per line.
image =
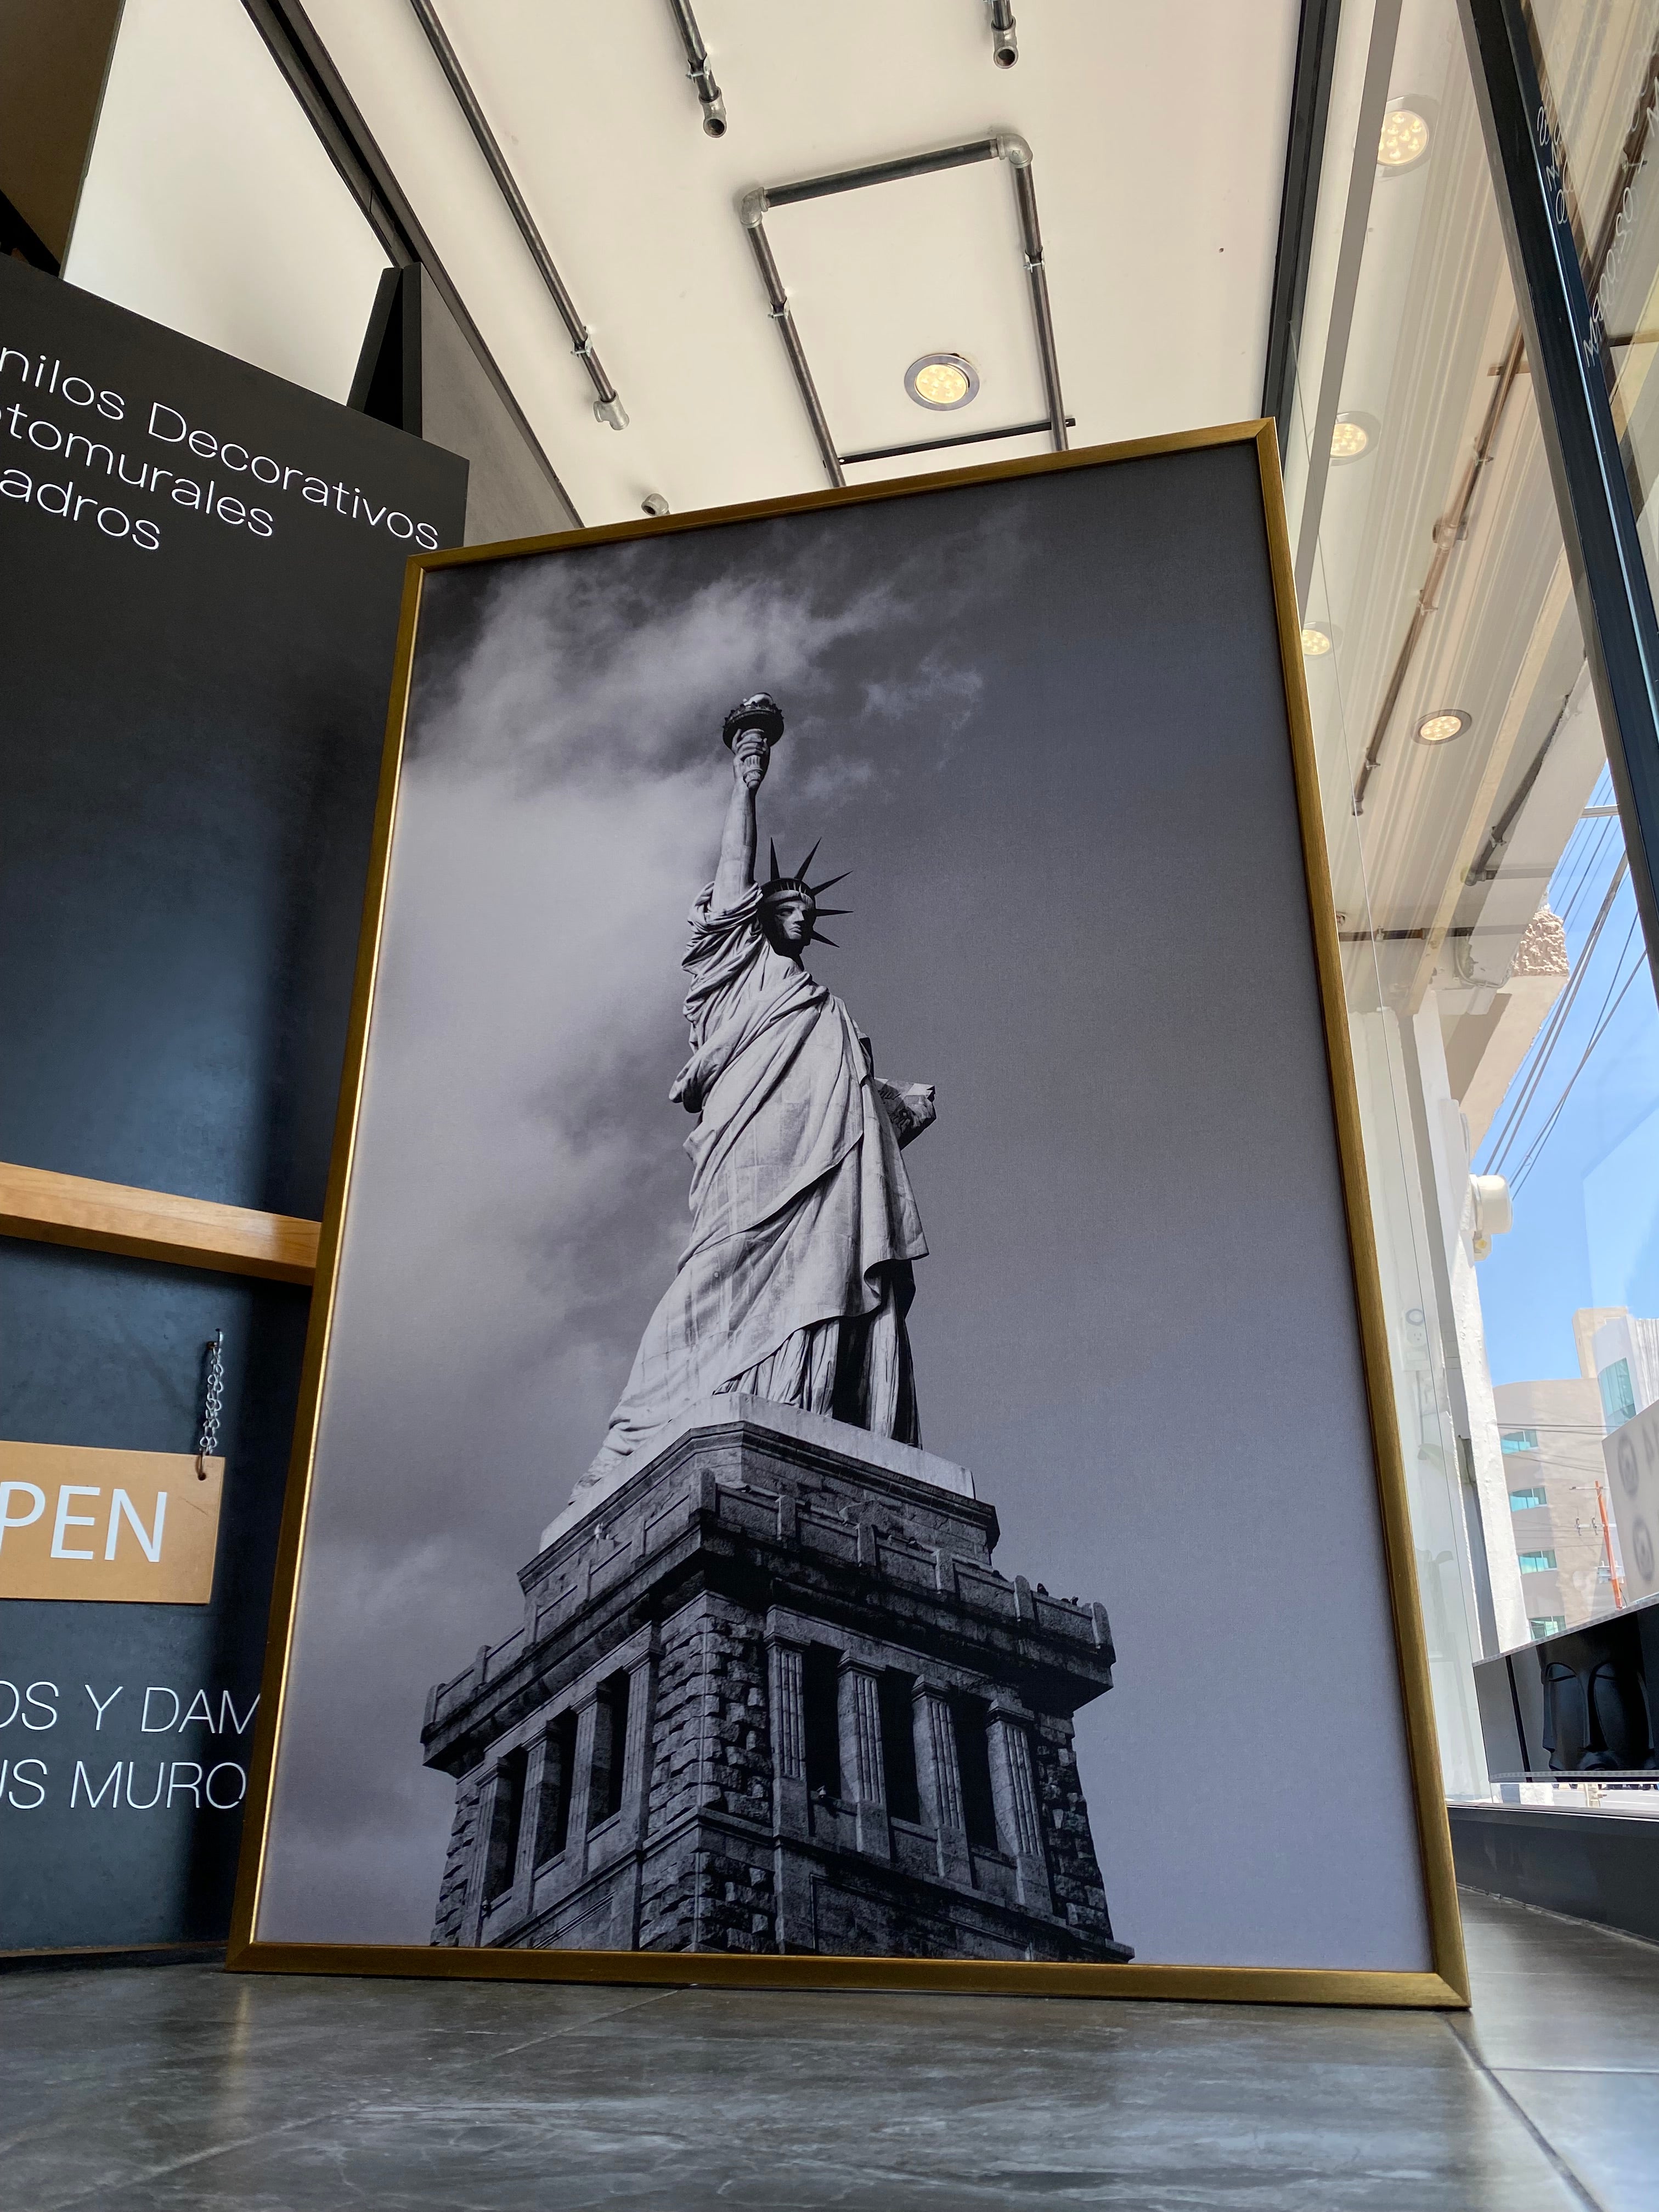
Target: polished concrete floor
pixel 182 2089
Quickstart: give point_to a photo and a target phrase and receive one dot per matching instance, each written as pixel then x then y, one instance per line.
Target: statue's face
pixel 788 923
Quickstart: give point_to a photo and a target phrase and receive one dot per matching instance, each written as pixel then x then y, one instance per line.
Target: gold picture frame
pixel 1445 1984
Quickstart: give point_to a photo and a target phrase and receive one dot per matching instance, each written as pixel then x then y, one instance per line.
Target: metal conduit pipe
pixel 753 210
pixel 291 42
pixel 1005 39
pixel 697 69
pixel 887 172
pixel 1486 866
pixel 1449 533
pixel 1017 155
pixel 607 407
pixel 1002 146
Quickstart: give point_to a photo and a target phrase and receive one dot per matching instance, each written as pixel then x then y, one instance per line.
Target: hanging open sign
pixel 125 1526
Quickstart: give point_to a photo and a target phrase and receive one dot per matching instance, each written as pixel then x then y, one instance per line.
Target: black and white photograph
pixel 844 1412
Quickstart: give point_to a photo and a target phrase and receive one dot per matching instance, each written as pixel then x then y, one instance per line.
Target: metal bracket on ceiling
pixel 1008 146
pixel 607 407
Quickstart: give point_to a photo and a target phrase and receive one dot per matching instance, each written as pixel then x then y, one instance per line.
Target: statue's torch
pixel 761 713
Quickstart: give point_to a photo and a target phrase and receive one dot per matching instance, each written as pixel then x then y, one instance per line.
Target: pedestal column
pixel 1015 1795
pixel 939 1775
pixel 478 1873
pixel 636 1789
pixel 862 1777
pixel 581 1792
pixel 523 1871
pixel 791 1816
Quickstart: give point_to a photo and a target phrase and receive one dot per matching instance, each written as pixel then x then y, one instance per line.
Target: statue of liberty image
pixel 796 1280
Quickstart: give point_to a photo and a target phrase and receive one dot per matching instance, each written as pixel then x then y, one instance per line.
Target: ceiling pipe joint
pixel 698 69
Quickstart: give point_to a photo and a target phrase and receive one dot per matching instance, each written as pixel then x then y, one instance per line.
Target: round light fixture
pixel 1316 643
pixel 942 381
pixel 1404 141
pixel 1350 438
pixel 1440 728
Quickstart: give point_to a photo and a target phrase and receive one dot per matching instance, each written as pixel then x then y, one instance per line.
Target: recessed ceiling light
pixel 1349 438
pixel 1404 140
pixel 1316 643
pixel 942 381
pixel 1445 724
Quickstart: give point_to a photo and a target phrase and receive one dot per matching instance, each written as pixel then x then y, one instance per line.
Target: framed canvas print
pixel 847 1437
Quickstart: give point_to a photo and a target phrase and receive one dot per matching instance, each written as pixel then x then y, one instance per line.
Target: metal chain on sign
pixel 213 1404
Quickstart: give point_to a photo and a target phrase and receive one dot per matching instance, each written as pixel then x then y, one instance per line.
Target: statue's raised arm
pixel 752 728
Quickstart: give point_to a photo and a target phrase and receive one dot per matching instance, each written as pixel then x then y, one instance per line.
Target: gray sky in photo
pixel 1042 725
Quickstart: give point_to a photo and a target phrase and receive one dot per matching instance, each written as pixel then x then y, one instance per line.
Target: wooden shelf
pixel 155 1225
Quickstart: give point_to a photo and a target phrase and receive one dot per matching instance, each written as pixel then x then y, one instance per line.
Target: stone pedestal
pixel 771 1695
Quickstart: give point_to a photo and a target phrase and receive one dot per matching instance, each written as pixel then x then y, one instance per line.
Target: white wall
pixel 210 206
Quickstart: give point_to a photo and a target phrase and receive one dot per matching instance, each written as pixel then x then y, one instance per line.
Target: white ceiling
pixel 1159 134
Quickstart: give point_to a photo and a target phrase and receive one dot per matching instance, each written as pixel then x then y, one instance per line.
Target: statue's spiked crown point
pixel 779 886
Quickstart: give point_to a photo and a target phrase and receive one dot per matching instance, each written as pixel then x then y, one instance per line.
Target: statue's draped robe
pixel 795 1282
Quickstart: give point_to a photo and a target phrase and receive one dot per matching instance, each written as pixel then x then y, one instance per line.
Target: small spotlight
pixel 1440 728
pixel 1404 140
pixel 1349 438
pixel 1315 644
pixel 942 381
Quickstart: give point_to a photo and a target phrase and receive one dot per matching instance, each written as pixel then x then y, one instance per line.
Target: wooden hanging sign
pixel 127 1527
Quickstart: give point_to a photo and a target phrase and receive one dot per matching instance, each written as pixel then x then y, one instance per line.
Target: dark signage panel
pixel 201 568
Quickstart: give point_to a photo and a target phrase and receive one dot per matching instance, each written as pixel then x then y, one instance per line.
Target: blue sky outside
pixel 1582 1153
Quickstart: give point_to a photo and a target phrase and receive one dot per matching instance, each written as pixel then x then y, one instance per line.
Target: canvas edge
pixel 296 1500
pixel 1417 1697
pixel 1446 1984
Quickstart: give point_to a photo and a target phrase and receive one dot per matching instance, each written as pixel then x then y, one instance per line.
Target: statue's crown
pixel 781 886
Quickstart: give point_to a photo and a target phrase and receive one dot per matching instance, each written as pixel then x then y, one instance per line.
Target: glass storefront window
pixel 1504 1024
pixel 1599 67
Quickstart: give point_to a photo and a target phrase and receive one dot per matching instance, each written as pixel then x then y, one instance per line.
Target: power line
pixel 1591 844
pixel 1507 1136
pixel 1525 1169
